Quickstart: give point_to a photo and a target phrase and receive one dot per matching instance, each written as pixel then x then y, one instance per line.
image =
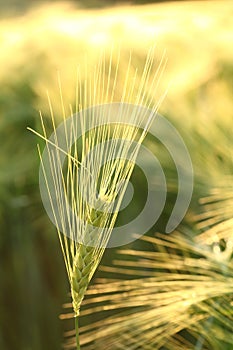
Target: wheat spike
pixel 84 264
pixel 87 232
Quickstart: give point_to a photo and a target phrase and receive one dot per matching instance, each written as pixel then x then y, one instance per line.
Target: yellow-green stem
pixel 77 333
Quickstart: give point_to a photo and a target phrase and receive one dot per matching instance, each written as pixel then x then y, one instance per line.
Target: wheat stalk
pixel 82 175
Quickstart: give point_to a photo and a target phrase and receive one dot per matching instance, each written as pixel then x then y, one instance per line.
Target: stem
pixel 77 333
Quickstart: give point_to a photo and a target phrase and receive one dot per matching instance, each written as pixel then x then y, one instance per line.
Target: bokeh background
pixel 38 39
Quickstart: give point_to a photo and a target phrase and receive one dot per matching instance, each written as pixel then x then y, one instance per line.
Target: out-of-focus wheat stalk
pixel 101 180
pixel 178 296
pixel 217 216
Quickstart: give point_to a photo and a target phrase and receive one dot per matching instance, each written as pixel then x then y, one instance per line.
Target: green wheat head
pixel 81 174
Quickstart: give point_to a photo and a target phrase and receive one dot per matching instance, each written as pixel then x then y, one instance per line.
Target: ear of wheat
pixel 88 231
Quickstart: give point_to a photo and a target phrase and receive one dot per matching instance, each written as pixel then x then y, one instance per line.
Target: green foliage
pixel 26 274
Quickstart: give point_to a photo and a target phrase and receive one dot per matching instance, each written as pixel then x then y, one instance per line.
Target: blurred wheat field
pixel 197 37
